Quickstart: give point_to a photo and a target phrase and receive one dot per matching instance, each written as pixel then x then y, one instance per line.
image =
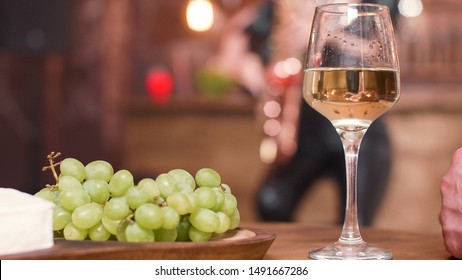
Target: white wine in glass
pixel 351 77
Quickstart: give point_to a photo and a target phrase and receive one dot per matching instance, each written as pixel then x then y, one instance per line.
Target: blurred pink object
pixel 451 206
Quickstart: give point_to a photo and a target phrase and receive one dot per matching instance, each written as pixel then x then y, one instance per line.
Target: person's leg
pixel 373 171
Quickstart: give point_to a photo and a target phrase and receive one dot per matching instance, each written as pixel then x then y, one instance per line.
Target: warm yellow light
pixel 268 150
pixel 199 15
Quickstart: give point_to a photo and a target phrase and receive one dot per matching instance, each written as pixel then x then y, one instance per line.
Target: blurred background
pixel 152 85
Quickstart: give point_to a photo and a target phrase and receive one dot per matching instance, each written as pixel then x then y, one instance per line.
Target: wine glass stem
pixel 351 141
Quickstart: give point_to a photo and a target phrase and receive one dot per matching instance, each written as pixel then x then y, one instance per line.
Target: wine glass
pixel 351 77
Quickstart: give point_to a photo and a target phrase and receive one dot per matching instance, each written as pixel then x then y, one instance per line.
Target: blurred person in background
pixel 451 206
pixel 308 147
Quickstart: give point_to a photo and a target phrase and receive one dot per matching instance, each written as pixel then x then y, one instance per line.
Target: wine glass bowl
pixel 351 77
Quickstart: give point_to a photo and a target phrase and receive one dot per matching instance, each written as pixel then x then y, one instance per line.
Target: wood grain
pixel 294 241
pixel 242 243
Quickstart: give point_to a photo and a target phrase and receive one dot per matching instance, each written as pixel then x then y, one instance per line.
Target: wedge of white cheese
pixel 26 222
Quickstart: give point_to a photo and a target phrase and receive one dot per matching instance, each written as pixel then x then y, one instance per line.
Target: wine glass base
pixel 361 251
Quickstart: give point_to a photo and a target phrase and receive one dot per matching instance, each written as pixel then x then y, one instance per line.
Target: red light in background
pixel 159 84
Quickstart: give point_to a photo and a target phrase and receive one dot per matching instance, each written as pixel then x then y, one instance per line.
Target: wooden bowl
pixel 238 244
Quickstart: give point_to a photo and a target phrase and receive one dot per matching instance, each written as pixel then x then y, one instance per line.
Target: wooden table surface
pixel 294 241
pixel 270 241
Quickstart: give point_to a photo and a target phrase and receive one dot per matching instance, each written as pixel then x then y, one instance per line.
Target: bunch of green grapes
pixel 94 202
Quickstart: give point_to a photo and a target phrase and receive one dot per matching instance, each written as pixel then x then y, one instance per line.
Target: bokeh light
pixel 410 8
pixel 199 15
pixel 159 85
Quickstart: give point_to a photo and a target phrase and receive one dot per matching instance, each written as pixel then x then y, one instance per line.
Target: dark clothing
pixel 320 153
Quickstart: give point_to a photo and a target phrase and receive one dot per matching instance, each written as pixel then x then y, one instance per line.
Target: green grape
pixel 226 188
pixel 149 216
pixel 99 170
pixel 205 220
pixel 194 201
pixel 229 204
pixel 136 233
pixel 120 182
pixel 110 225
pixel 180 202
pixel 116 208
pixel 170 218
pixel 224 222
pixel 220 194
pixel 234 219
pixel 61 217
pixel 150 187
pixel 207 177
pixel 98 233
pixel 66 182
pixel 166 235
pixel 71 232
pixel 184 177
pixel 47 194
pixel 73 198
pixel 97 189
pixel 87 215
pixel 94 202
pixel 121 227
pixel 197 235
pixel 57 201
pixel 167 184
pixel 183 187
pixel 207 197
pixel 136 197
pixel 72 167
pixel 183 230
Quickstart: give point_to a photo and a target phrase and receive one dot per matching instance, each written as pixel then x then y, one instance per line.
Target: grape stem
pixel 130 219
pixel 51 157
pixel 159 201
